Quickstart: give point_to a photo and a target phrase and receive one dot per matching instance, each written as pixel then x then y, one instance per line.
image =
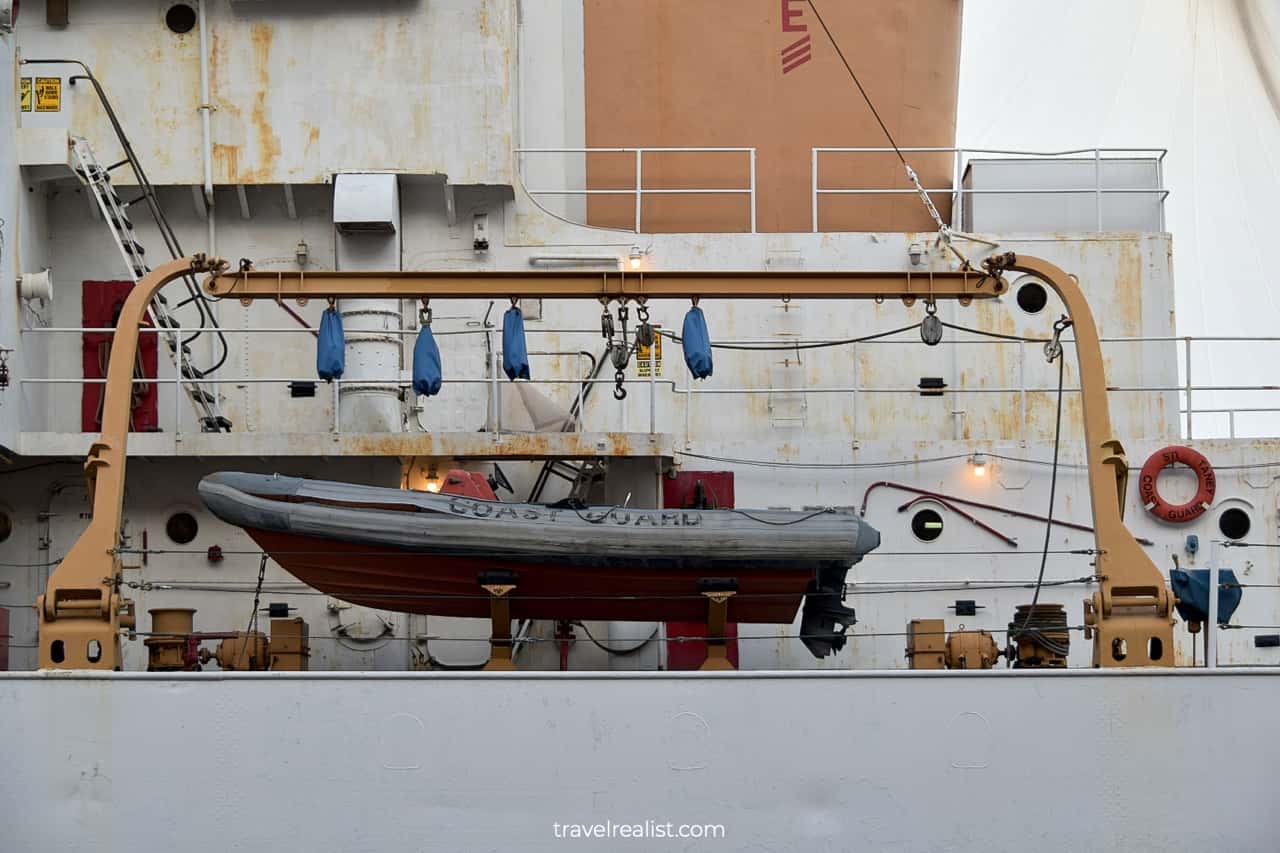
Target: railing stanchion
pixel 177 388
pixel 653 389
pixel 337 408
pixel 1186 342
pixel 813 178
pixel 639 187
pixel 1097 185
pixel 752 155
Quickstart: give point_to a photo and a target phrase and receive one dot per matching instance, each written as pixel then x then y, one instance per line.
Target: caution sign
pixel 24 94
pixel 644 354
pixel 48 94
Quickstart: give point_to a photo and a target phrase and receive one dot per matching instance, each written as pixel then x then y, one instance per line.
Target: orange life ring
pixel 1177 513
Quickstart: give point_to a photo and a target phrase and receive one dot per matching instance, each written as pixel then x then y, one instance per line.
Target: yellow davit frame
pixel 82 612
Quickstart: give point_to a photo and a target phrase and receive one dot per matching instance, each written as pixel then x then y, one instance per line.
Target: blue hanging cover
pixel 427 376
pixel 515 354
pixel 331 347
pixel 697 343
pixel 1192 588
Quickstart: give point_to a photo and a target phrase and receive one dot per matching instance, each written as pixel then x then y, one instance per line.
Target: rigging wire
pixel 849 589
pixel 893 463
pixel 944 230
pixel 253 614
pixel 797 346
pixel 694 638
pixel 622 653
pixel 847 67
pixel 254 552
pixel 1048 526
pixel 999 335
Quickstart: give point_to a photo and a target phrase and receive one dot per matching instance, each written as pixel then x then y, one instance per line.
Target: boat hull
pixel 448 585
pixel 419 552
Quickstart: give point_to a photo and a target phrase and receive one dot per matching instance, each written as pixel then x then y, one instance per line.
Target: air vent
pixel 366 204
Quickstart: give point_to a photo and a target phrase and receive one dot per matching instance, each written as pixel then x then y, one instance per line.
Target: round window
pixel 182 527
pixel 1032 297
pixel 180 18
pixel 926 525
pixel 1234 523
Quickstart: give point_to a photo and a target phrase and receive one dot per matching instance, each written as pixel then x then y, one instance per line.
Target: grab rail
pixel 638 189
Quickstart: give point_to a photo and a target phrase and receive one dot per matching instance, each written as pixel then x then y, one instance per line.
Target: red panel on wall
pixel 697 490
pixel 100 306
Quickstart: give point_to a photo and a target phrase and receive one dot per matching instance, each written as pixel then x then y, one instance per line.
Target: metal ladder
pixel 98 179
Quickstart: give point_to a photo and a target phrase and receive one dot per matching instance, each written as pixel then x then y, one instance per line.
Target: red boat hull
pixel 409 582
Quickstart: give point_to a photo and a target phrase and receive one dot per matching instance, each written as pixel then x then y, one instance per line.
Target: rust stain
pixel 261 36
pixel 226 159
pixel 313 136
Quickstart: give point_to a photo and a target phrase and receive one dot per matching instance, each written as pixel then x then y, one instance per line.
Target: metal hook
pixel 695 300
pixel 424 314
pixel 515 302
pixel 1053 346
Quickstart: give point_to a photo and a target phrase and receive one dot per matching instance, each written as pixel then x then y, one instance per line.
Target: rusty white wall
pixel 299 90
pixel 948 761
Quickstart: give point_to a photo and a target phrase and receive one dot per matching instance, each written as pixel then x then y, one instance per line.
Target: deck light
pixel 978 462
pixel 636 257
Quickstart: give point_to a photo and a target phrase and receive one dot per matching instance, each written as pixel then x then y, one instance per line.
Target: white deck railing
pixel 960 160
pixel 638 190
pixel 1186 389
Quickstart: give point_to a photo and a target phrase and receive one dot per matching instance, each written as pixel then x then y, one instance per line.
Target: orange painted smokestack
pixel 761 73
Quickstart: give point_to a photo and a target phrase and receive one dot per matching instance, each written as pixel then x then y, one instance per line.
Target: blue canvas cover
pixel 697 343
pixel 1192 588
pixel 427 376
pixel 330 347
pixel 515 353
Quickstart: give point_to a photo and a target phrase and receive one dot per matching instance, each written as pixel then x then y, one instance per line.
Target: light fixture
pixel 8 15
pixel 636 257
pixel 433 486
pixel 978 462
pixel 433 479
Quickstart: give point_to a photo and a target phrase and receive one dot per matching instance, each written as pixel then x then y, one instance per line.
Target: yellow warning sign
pixel 643 355
pixel 24 94
pixel 48 94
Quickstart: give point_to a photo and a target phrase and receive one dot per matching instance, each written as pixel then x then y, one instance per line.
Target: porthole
pixel 182 527
pixel 1032 297
pixel 6 525
pixel 926 525
pixel 180 18
pixel 1234 523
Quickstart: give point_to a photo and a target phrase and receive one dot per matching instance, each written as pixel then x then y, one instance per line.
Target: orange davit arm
pixel 81 610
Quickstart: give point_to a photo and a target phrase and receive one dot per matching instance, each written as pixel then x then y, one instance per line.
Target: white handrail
pixel 639 191
pixel 957 192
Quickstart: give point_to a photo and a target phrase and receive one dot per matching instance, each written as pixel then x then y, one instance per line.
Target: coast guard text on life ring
pixel 1207 484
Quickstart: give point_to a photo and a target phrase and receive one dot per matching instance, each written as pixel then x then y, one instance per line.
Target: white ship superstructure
pixel 518 137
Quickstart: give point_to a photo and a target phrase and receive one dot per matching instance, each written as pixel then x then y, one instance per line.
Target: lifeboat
pixel 423 552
